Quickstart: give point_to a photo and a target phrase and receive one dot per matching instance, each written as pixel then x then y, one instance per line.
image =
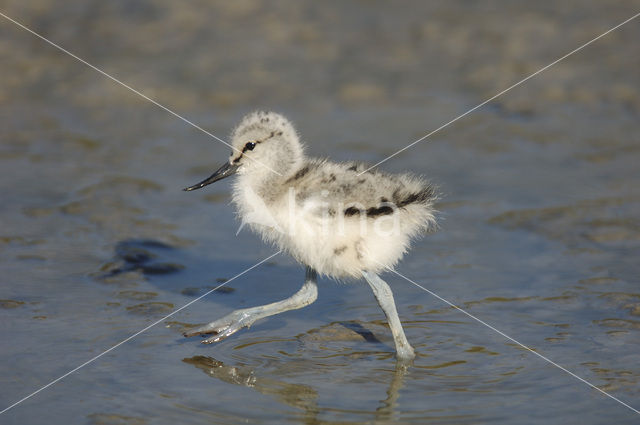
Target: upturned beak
pixel 225 171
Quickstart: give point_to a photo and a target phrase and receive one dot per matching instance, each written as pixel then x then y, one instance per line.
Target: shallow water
pixel 540 228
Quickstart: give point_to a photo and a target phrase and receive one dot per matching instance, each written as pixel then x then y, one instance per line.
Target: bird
pixel 341 220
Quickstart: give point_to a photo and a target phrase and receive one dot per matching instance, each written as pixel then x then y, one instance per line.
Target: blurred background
pixel 540 215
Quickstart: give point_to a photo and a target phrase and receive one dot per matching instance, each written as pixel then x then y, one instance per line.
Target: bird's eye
pixel 249 146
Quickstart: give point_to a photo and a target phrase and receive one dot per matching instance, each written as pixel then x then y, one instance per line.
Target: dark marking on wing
pixel 299 174
pixel 351 211
pixel 338 251
pixel 425 195
pixel 371 212
pixel 400 200
pixel 383 210
pixel 330 179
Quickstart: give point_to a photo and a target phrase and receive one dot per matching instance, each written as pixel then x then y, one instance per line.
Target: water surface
pixel 540 229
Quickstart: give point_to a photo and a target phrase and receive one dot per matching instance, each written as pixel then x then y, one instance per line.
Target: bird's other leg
pixel 383 294
pixel 238 319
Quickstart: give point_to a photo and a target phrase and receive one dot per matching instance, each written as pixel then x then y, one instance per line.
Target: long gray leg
pixel 383 294
pixel 238 319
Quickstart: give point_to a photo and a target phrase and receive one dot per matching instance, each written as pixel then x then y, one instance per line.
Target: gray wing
pixel 330 188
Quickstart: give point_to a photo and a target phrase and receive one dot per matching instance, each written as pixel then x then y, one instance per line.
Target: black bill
pixel 225 171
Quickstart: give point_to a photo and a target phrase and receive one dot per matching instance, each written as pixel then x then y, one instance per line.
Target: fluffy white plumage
pixel 332 217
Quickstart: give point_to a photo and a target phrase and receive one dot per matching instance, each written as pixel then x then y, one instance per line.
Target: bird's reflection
pixel 387 410
pixel 300 396
pixel 296 395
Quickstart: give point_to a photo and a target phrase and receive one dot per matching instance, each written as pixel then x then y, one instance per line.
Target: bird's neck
pixel 267 183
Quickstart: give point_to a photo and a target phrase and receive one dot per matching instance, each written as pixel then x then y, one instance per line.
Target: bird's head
pixel 265 145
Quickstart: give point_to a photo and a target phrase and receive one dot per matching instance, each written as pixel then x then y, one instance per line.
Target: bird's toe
pixel 223 333
pixel 211 328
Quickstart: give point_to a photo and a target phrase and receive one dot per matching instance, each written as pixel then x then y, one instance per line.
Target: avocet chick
pixel 338 219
